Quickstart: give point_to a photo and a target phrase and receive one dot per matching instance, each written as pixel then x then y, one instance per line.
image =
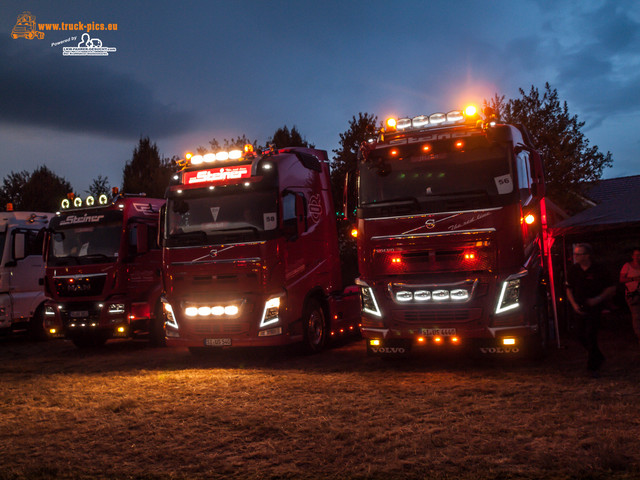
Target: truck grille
pixel 437 316
pixel 80 285
pixel 220 327
pixel 80 313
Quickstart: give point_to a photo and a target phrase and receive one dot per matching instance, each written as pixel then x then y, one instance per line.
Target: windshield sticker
pixel 270 221
pixel 504 184
pixel 214 213
pixel 73 219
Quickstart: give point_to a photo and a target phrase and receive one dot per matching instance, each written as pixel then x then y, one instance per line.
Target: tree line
pixel 568 158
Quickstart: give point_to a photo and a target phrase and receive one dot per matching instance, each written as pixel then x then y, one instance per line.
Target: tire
pixel 156 328
pixel 36 326
pixel 315 328
pixel 540 342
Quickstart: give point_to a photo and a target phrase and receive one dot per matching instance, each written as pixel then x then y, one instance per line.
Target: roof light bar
pixel 431 121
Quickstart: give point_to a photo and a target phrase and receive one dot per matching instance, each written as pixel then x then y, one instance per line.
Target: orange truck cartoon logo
pixel 25 27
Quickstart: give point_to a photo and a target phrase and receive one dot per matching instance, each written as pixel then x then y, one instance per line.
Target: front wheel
pixel 539 345
pixel 36 326
pixel 315 327
pixel 156 328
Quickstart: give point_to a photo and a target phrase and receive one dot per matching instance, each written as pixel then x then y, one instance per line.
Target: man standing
pixel 588 287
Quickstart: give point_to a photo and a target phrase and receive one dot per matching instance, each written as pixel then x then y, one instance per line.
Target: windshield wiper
pixel 393 201
pixel 458 194
pixel 96 255
pixel 195 233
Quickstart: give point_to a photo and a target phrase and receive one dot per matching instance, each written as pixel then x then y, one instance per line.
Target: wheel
pixel 156 328
pixel 36 326
pixel 315 327
pixel 540 342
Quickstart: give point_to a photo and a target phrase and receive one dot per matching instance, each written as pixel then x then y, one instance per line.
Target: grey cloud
pixel 45 89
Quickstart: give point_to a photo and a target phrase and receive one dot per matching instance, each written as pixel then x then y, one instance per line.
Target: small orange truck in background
pixel 25 27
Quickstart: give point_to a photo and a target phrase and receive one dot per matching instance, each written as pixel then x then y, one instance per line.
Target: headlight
pixel 169 316
pixel 369 303
pixel 49 311
pixel 271 312
pixel 509 296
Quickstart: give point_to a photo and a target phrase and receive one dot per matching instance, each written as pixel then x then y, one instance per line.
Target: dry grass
pixel 130 411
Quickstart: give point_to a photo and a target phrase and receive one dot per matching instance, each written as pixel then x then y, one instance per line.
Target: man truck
pixel 22 271
pixel 103 267
pixel 250 252
pixel 451 225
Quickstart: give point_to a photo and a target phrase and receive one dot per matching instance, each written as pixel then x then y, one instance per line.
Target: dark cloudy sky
pixel 186 72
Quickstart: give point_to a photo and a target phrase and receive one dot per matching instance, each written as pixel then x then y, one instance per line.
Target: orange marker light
pixel 354 232
pixel 394 152
pixel 188 155
pixel 529 219
pixel 248 148
pixel 420 339
pixel 437 340
pixel 470 110
pixel 469 256
pixel 459 144
pixel 391 123
pixel 396 260
pixel 426 147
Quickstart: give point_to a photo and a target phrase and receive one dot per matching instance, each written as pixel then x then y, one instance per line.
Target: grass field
pixel 130 411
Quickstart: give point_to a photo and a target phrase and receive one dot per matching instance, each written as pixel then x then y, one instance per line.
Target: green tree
pixel 99 186
pixel 568 159
pixel 11 190
pixel 41 191
pixel 237 143
pixel 345 158
pixel 283 137
pixel 147 172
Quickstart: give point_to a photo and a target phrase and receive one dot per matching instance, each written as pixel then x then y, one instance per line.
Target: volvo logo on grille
pixel 430 223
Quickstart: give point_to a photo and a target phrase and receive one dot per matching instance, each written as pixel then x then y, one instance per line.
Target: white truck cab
pixel 22 270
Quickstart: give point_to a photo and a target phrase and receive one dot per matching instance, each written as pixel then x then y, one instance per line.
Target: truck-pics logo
pixel 88 47
pixel 25 27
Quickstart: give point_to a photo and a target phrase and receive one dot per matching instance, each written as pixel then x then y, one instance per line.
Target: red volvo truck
pixel 103 270
pixel 250 252
pixel 451 225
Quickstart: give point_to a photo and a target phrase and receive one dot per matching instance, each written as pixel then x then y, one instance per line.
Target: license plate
pixel 438 332
pixel 217 342
pixel 79 314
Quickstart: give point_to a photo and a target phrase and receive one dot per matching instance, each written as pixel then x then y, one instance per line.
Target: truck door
pixel 294 227
pixel 26 278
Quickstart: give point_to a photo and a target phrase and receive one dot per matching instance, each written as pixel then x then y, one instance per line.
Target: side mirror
pixel 301 215
pixel 142 238
pixel 537 173
pixel 161 220
pixel 349 195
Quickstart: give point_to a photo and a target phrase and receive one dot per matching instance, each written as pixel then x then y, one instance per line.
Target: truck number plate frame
pixel 217 342
pixel 438 332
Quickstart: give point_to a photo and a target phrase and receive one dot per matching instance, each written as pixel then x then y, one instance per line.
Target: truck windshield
pixel 84 244
pixel 202 217
pixel 414 182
